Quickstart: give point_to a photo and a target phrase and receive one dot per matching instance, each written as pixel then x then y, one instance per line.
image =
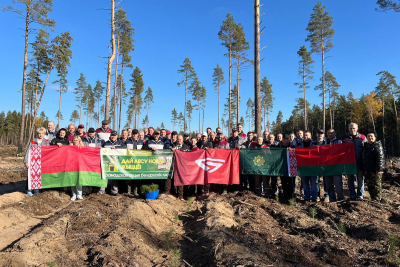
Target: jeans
pixel 76 190
pixel 360 185
pixel 310 186
pixel 334 186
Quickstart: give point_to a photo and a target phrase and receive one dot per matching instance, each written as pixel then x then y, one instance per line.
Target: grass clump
pixel 393 243
pixel 189 204
pixel 176 255
pixel 168 238
pixel 292 202
pixel 148 188
pixel 341 227
pixel 312 212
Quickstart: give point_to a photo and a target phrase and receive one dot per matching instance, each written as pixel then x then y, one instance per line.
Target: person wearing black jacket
pixel 204 142
pixel 61 138
pixel 288 183
pixel 373 160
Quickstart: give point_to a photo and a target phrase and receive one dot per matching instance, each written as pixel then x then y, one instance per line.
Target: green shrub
pixel 312 212
pixel 341 227
pixel 148 188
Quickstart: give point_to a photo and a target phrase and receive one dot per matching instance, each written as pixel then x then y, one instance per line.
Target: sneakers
pixel 79 197
pixel 73 198
pixel 30 193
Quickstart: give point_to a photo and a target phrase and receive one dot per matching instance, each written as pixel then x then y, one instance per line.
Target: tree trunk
pixel 134 125
pixel 265 121
pixel 395 112
pixel 110 61
pixel 330 109
pixel 383 124
pixel 80 110
pixel 115 86
pixel 257 85
pixel 323 84
pixel 184 116
pixel 202 128
pixel 218 106
pixel 199 117
pixel 230 88
pixel 21 135
pixel 59 109
pixel 147 122
pixel 120 97
pixel 305 100
pixel 98 106
pixel 237 93
pixel 268 119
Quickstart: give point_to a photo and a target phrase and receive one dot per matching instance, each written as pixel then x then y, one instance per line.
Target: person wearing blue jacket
pixel 91 139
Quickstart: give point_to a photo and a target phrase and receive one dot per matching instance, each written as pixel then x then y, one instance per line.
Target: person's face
pixel 129 132
pixel 174 138
pixel 62 134
pixel 156 137
pixel 179 140
pixel 186 138
pixel 212 135
pixel 151 131
pixel 307 136
pixel 371 138
pixel 208 131
pixel 124 135
pixel 240 128
pixel 260 140
pixel 204 138
pixel 235 134
pixel 135 136
pixel 91 135
pixel 169 136
pixel 320 136
pixel 50 126
pixel 71 129
pixel 105 126
pixel 75 142
pixel 300 134
pixel 141 135
pixel 266 133
pixel 41 135
pixel 353 129
pixel 285 141
pixel 220 137
pixel 81 130
pixel 250 136
pixel 193 141
pixel 331 135
pixel 163 133
pixel 146 131
pixel 113 137
pixel 279 137
pixel 292 136
pixel 198 136
pixel 271 138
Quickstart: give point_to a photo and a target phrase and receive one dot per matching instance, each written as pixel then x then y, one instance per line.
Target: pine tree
pixel 136 93
pixel 320 37
pixel 189 75
pixel 189 110
pixel 385 5
pixel 79 91
pixel 98 91
pixel 199 94
pixel 267 101
pixel 250 112
pixel 162 125
pixel 227 35
pixel 278 122
pixel 305 73
pixel 181 120
pixel 174 118
pixel 218 79
pixel 74 116
pixel 148 99
pixel 88 104
pixel 59 115
pixel 34 11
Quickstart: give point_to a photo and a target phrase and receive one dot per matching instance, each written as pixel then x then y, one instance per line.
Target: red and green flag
pixel 326 160
pixel 53 166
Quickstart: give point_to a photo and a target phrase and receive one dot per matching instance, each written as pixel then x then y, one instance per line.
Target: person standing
pixel 279 137
pixel 259 144
pixel 359 141
pixel 240 129
pixel 104 132
pixel 333 185
pixel 186 140
pixel 38 141
pixel 61 138
pixel 271 182
pixel 204 143
pixel 299 138
pixel 288 183
pixel 91 139
pixel 310 183
pixel 373 160
pixel 81 131
pixel 76 190
pixel 168 183
pixel 126 140
pixel 51 132
pixel 71 132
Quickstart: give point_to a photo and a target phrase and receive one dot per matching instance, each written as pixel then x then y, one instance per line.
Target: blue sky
pixel 167 32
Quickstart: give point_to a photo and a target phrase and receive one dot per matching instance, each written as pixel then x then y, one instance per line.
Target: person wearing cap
pixel 104 132
pixel 61 138
pixel 113 142
pixel 135 139
pixel 91 139
pixel 167 139
pixel 169 134
pixel 333 185
pixel 168 182
pixel 186 140
pixel 288 183
pixel 81 131
pixel 373 165
pixel 71 132
pixel 50 132
pixel 204 143
pixel 240 130
pixel 154 143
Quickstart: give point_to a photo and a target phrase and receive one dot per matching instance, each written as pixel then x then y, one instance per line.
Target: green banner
pixel 136 164
pixel 266 161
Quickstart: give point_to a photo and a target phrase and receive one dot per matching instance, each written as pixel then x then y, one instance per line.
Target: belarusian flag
pixel 53 166
pixel 266 161
pixel 326 160
pixel 211 166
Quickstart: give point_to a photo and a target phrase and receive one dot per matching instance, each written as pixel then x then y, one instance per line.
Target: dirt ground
pixel 221 230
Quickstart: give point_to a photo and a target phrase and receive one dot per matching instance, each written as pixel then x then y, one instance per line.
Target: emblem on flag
pixel 258 161
pixel 206 163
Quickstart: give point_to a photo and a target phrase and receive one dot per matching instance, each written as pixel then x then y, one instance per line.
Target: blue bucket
pixel 152 195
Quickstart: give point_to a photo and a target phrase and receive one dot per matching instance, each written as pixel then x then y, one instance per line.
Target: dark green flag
pixel 266 161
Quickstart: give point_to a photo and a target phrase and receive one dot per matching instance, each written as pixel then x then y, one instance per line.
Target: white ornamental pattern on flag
pixel 35 168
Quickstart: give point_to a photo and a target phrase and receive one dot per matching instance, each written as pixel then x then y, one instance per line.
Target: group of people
pixel 368 151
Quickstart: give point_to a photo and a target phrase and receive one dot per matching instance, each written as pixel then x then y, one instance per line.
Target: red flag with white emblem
pixel 214 166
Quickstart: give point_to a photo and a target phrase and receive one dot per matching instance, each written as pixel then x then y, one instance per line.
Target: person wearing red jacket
pixel 81 131
pixel 71 132
pixel 105 131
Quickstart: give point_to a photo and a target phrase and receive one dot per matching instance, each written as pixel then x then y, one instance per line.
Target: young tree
pixel 79 91
pixel 189 110
pixel 267 101
pixel 227 35
pixel 250 112
pixel 34 11
pixel 174 118
pixel 240 48
pixel 189 75
pixel 74 116
pixel 305 73
pixel 136 92
pixel 218 79
pixel 110 60
pixel 98 91
pixel 320 36
pixel 148 99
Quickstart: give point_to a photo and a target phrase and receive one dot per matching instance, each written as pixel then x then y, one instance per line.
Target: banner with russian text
pixel 136 164
pixel 53 166
pixel 211 166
